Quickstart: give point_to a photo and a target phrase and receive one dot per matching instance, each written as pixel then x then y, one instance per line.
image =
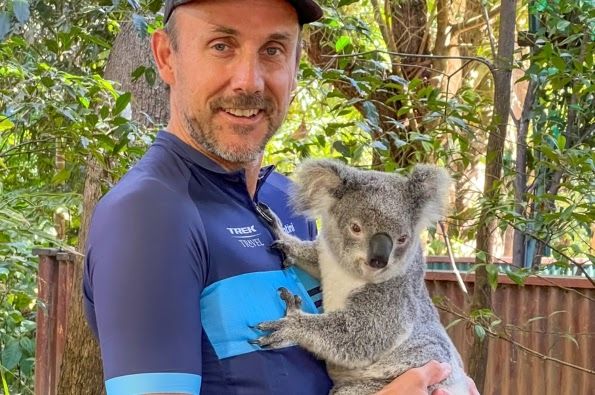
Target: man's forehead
pixel 273 18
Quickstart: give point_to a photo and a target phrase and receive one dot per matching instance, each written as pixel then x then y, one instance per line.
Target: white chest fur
pixel 336 282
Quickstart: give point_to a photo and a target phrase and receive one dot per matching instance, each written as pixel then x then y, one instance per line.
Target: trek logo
pixel 246 230
pixel 247 236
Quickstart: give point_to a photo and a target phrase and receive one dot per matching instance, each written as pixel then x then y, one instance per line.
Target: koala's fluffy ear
pixel 317 182
pixel 428 187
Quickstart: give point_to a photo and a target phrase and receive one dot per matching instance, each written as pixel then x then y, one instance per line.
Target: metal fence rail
pixel 552 316
pixel 564 332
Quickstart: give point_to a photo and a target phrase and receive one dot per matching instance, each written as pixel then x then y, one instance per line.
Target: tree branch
pixel 508 339
pixel 481 60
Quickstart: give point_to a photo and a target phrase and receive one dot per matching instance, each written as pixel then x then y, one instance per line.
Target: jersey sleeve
pixel 145 271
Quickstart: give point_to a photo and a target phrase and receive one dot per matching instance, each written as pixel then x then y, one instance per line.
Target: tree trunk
pixel 520 182
pixel 81 372
pixel 482 295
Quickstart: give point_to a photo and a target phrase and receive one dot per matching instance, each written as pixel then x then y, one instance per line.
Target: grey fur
pixel 378 323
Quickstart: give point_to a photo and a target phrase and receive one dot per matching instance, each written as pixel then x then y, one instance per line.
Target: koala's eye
pixel 402 239
pixel 355 228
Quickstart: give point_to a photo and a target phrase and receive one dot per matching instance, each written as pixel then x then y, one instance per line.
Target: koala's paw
pixel 293 303
pixel 280 330
pixel 278 336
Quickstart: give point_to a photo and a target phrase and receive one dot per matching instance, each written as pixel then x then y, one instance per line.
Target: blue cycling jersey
pixel 178 269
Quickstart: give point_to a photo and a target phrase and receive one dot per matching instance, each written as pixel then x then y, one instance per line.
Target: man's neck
pixel 251 169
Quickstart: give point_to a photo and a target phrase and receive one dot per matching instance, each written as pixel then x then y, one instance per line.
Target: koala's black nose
pixel 381 246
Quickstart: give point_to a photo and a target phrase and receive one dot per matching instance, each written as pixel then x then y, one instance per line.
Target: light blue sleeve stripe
pixel 147 383
pixel 230 306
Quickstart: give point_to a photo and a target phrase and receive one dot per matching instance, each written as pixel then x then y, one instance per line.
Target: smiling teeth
pixel 242 113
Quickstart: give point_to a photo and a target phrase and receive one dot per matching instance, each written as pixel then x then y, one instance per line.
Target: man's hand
pixel 416 381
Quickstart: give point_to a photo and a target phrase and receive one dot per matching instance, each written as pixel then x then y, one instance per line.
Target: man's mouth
pixel 242 112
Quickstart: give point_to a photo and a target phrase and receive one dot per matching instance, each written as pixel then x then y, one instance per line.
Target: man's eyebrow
pixel 282 36
pixel 225 30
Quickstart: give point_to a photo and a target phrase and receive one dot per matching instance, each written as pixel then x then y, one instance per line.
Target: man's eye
pixel 272 51
pixel 220 47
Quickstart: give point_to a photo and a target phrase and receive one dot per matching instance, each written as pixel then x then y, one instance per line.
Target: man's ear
pixel 163 55
pixel 317 185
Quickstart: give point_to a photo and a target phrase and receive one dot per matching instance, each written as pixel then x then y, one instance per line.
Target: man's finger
pixel 435 372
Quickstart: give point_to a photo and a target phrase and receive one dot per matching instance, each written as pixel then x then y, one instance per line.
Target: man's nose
pixel 248 75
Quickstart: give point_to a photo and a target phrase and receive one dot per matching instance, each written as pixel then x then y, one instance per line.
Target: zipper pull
pixel 265 212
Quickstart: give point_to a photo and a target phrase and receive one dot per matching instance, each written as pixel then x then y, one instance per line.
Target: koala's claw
pixel 275 338
pixel 270 341
pixel 269 326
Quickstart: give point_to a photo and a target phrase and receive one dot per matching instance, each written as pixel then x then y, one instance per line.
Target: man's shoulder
pixel 279 182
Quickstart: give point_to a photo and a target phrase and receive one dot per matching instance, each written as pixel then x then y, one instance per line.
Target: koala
pixel 378 320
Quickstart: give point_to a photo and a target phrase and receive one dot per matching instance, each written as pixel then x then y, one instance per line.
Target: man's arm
pixel 416 381
pixel 143 281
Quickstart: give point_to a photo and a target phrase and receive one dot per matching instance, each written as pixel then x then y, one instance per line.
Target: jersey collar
pixel 171 141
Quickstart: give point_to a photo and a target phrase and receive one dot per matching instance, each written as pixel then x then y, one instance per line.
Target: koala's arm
pixel 303 253
pixel 354 337
pixel 347 338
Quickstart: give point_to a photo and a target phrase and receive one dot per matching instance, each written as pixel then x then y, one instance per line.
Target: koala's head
pixel 371 220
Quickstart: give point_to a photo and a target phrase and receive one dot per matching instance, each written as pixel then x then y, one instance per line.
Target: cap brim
pixel 308 10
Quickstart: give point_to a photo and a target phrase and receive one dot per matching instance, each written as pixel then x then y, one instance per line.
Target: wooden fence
pixel 552 316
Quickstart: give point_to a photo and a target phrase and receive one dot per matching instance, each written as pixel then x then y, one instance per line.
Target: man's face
pixel 233 73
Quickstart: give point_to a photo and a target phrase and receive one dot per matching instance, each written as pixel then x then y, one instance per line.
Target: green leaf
pixel 121 103
pixel 479 332
pixel 340 147
pixel 515 276
pixel 562 24
pixel 61 176
pixel 5 123
pixel 379 145
pixel 21 10
pixel 453 323
pixel 4 25
pixel 150 75
pixel 11 355
pixel 27 345
pixel 561 142
pixel 342 42
pixel 343 3
pixel 492 271
pixel 371 113
pixel 571 338
pixel 136 74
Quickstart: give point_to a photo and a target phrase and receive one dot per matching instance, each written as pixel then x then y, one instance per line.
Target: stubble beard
pixel 205 132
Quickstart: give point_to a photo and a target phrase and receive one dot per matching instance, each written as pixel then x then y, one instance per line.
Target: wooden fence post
pixel 54 281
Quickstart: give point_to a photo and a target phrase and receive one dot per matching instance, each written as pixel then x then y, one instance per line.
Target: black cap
pixel 307 10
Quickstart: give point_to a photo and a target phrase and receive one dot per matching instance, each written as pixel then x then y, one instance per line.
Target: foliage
pixel 356 102
pixel 56 111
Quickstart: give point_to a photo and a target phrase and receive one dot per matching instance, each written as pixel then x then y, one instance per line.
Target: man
pixel 178 265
